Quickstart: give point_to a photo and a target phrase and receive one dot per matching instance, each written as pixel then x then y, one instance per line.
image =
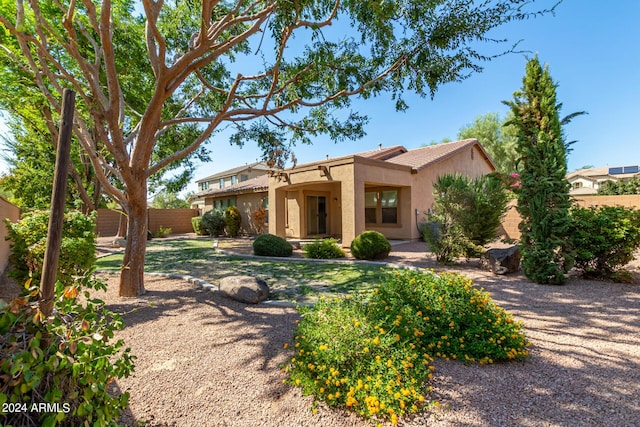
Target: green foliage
pixel 28 243
pixel 168 200
pixel 323 249
pixel 375 358
pixel 371 245
pixel 213 222
pixel 162 232
pixel 543 197
pixel 272 245
pixel 605 240
pixel 233 220
pixel 198 228
pixel 67 359
pixel 612 188
pixel 466 216
pixel 497 137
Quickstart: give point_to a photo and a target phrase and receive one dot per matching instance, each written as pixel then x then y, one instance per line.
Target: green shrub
pixel 213 223
pixel 29 238
pixel 323 249
pixel 162 232
pixel 271 245
pixel 374 357
pixel 605 240
pixel 370 245
pixel 466 216
pixel 233 220
pixel 68 359
pixel 198 228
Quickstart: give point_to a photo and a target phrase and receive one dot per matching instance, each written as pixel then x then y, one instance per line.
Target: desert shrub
pixel 604 240
pixel 28 239
pixel 466 216
pixel 370 245
pixel 374 357
pixel 162 232
pixel 271 245
pixel 198 228
pixel 323 249
pixel 259 217
pixel 68 359
pixel 213 223
pixel 233 220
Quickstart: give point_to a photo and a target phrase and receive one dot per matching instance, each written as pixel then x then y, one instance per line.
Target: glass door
pixel 316 215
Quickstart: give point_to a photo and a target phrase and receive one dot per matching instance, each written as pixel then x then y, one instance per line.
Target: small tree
pixel 543 198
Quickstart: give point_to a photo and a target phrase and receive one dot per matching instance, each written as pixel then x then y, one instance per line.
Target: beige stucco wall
pixel 12 212
pixel 247 203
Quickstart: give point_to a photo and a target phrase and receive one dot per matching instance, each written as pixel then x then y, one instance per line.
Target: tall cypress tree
pixel 543 199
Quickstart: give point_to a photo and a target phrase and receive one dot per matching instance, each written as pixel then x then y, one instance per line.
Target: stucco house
pixel 387 189
pixel 245 187
pixel 588 181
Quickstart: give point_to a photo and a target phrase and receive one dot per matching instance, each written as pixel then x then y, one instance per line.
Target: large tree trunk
pixel 132 273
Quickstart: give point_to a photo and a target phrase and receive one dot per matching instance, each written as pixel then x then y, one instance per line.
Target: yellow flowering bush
pixel 346 359
pixel 374 355
pixel 448 317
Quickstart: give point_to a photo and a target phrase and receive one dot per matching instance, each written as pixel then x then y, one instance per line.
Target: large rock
pixel 247 289
pixel 501 261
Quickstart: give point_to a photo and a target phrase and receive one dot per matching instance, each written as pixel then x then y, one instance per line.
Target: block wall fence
pixel 178 220
pixel 512 218
pixel 12 212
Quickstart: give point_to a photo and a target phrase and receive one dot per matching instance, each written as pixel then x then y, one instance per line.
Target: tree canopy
pixel 497 138
pixel 277 72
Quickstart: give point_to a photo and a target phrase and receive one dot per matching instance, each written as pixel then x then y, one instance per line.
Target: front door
pixel 316 215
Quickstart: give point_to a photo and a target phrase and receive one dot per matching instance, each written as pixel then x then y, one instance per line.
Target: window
pixel 204 185
pixel 221 183
pixel 244 177
pixel 370 207
pixel 577 184
pixel 234 179
pixel 381 207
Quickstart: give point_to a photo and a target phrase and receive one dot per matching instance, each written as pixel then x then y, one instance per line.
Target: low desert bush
pixel 232 220
pixel 271 245
pixel 370 245
pixel 162 232
pixel 374 356
pixel 67 360
pixel 604 240
pixel 213 223
pixel 28 240
pixel 323 249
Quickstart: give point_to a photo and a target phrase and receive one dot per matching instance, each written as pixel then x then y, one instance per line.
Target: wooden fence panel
pixel 178 220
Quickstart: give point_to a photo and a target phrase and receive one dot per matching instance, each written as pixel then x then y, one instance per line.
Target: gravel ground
pixel 207 361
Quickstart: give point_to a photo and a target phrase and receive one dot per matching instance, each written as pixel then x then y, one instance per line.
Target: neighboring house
pixel 230 177
pixel 388 190
pixel 248 195
pixel 588 181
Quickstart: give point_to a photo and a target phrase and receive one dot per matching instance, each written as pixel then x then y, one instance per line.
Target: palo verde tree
pixel 543 197
pixel 278 72
pixel 496 137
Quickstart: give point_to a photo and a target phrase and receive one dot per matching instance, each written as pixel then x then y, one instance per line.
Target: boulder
pixel 501 261
pixel 119 242
pixel 247 289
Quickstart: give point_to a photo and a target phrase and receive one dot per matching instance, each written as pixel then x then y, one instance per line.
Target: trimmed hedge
pixel 370 245
pixel 271 245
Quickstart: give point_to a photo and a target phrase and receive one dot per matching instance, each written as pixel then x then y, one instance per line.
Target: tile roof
pixel 260 183
pixel 255 165
pixel 422 157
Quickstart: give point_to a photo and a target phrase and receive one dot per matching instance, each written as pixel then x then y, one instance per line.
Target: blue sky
pixel 592 50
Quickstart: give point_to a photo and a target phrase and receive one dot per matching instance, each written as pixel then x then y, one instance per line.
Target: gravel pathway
pixel 207 361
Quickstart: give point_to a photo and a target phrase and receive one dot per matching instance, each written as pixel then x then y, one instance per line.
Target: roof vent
pixel 380 146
